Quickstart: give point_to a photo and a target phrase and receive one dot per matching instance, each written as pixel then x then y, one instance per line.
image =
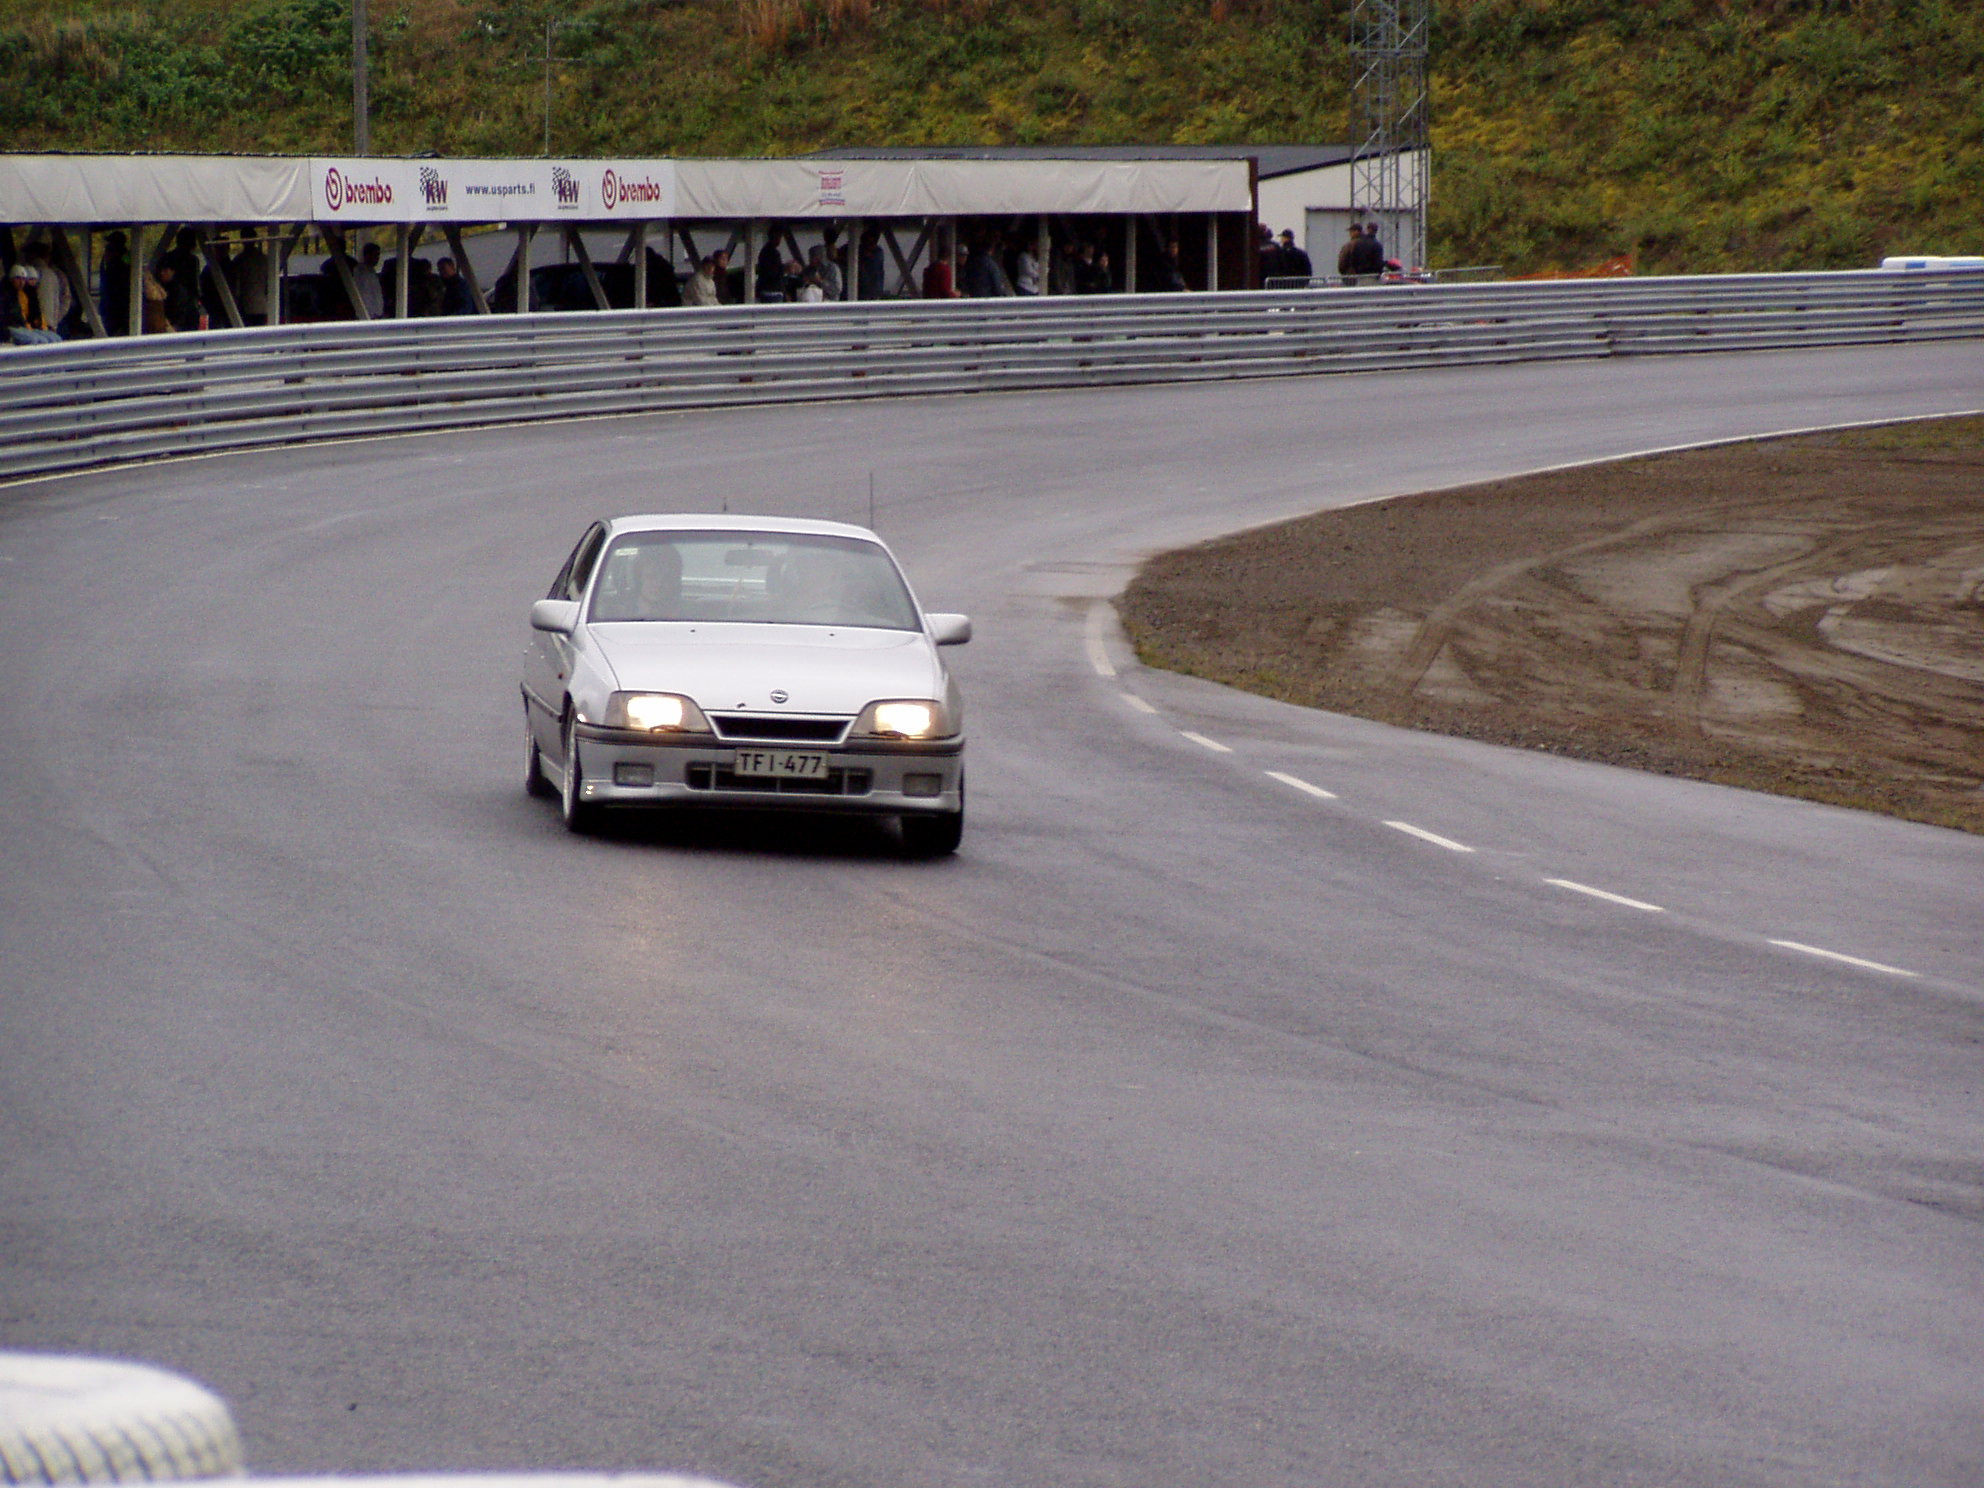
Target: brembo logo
pixel 341 193
pixel 616 191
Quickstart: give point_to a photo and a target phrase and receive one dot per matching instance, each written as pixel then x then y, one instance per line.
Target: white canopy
pixel 81 189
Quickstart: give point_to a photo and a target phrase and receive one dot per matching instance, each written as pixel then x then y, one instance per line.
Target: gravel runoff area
pixel 1803 615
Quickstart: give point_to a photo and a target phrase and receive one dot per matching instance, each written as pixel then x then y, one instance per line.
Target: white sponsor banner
pixel 375 190
pixel 152 188
pixel 921 188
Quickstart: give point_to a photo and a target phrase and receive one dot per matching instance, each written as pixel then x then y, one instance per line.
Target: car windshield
pixel 774 578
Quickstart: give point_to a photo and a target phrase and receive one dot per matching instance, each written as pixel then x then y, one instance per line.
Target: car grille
pixel 782 730
pixel 835 783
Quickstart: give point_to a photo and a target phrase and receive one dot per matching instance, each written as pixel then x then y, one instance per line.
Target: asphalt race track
pixel 1191 1127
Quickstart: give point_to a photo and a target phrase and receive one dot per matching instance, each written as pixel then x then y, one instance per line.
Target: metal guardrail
pixel 79 404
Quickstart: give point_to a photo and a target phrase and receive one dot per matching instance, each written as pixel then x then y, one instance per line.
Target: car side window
pixel 571 580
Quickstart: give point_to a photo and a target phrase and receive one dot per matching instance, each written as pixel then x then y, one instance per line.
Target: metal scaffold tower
pixel 1388 175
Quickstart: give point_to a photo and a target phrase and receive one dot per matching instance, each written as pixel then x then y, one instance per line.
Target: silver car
pixel 759 662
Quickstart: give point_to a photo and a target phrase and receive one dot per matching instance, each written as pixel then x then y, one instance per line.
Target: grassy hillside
pixel 1692 134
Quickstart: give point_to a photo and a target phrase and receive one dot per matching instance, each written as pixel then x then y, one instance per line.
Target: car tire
pixel 579 817
pixel 537 785
pixel 75 1420
pixel 934 834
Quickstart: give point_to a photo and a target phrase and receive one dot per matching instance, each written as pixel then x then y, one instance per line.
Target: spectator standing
pixel 812 287
pixel 1347 255
pixel 156 319
pixel 984 279
pixel 938 283
pixel 114 285
pixel 1294 260
pixel 1026 272
pixel 1092 275
pixel 870 266
pixel 770 279
pixel 832 286
pixel 1370 255
pixel 251 280
pixel 1061 271
pixel 51 288
pixel 702 288
pixel 1170 278
pixel 455 298
pixel 423 290
pixel 181 302
pixel 371 293
pixel 184 256
pixel 1270 255
pixel 20 307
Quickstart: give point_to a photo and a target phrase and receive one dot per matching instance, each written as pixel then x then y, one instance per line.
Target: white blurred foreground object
pixel 76 1420
pixel 498 1480
pixel 73 1420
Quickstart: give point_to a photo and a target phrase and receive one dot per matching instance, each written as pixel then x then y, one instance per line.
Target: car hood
pixel 736 668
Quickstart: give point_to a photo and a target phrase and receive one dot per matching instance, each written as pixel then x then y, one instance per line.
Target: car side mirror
pixel 560 616
pixel 950 630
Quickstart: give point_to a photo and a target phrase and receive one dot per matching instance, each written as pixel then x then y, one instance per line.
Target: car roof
pixel 730 522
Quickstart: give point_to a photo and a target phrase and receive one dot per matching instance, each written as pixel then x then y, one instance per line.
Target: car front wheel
pixel 934 835
pixel 578 815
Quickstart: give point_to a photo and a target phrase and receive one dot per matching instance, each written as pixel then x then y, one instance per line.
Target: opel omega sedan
pixel 743 661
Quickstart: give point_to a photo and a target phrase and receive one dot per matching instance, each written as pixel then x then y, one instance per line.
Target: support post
pixel 1044 251
pixel 213 244
pixel 1130 236
pixel 638 240
pixel 577 245
pixel 276 262
pixel 751 262
pixel 135 300
pixel 403 257
pixel 1212 251
pixel 850 287
pixel 523 268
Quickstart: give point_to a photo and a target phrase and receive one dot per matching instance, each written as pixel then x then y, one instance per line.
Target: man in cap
pixel 1294 260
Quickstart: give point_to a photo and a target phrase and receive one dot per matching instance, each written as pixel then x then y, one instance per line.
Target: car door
pixel 548 659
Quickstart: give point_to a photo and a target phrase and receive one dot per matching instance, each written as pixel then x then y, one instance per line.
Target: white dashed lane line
pixel 1609 898
pixel 1136 702
pixel 1302 785
pixel 1425 836
pixel 1792 945
pixel 1213 744
pixel 1098 654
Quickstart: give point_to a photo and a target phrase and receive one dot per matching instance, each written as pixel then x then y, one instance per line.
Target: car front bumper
pixel 621 769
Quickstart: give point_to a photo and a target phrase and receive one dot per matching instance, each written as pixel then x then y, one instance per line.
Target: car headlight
pixel 903 718
pixel 655 713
